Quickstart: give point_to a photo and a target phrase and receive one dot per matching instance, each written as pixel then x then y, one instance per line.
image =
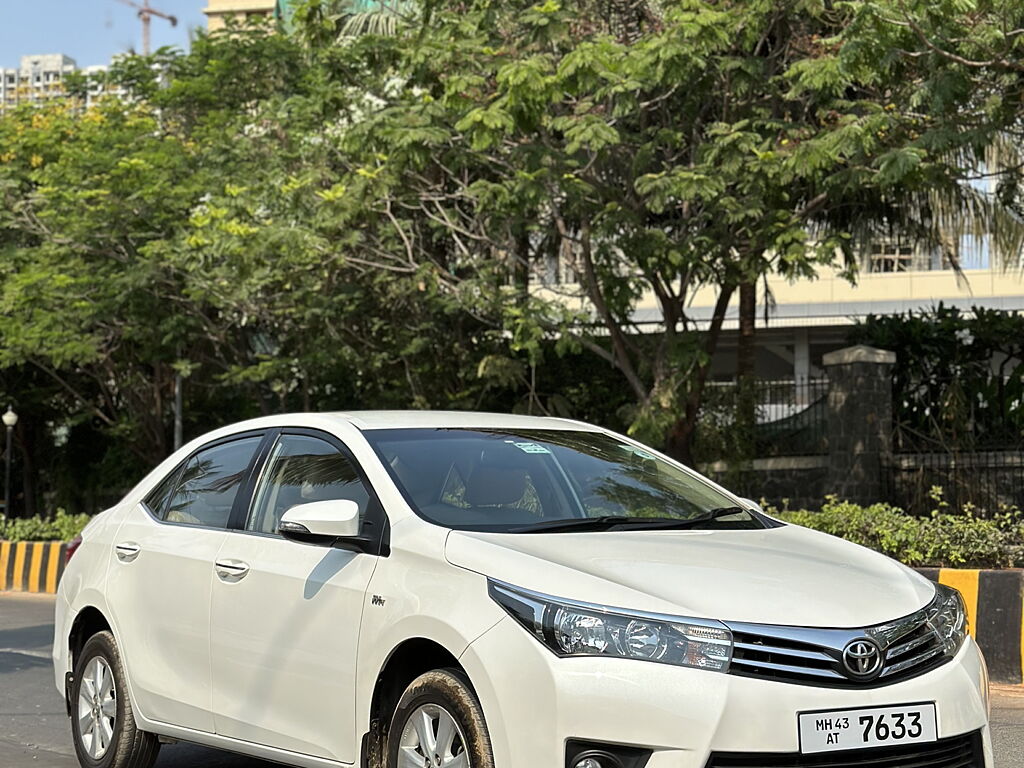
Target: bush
pixel 63 527
pixel 944 539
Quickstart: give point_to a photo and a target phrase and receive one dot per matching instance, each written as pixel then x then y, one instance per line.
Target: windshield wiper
pixel 621 522
pixel 668 524
pixel 572 524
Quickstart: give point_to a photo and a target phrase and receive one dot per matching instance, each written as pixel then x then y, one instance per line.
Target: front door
pixel 285 616
pixel 160 577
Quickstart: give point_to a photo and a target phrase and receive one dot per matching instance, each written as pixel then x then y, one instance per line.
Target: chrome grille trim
pixel 814 656
pixel 910 645
pixel 827 673
pixel 914 661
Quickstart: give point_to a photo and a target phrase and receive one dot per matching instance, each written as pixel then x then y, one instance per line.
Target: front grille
pixel 812 656
pixel 957 752
pixel 915 652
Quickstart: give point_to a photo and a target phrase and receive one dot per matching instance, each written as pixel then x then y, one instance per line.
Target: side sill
pixel 237 746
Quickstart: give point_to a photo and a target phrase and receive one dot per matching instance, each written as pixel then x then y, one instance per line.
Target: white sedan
pixel 462 590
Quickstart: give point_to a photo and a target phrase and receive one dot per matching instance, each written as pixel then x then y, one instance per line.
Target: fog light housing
pixel 584 754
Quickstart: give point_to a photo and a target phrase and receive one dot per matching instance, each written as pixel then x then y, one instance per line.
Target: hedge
pixel 944 539
pixel 63 527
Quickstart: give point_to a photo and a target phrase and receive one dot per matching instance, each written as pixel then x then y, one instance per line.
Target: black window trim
pixel 177 471
pixel 376 522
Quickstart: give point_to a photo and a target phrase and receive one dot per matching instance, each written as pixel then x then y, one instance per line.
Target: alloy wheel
pixel 97 708
pixel 432 738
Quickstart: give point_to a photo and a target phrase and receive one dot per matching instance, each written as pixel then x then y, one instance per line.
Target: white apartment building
pixel 218 12
pixel 37 79
pixel 40 78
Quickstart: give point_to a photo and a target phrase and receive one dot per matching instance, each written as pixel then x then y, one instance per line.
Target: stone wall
pixel 786 481
pixel 859 421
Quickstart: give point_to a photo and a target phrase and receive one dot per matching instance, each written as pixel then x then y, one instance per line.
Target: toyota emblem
pixel 862 659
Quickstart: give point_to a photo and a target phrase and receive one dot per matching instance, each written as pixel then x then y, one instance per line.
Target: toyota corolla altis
pixel 417 590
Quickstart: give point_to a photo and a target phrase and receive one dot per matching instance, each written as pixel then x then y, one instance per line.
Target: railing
pixel 988 481
pixel 965 437
pixel 776 418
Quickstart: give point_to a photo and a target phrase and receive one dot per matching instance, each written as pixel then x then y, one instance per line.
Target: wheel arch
pixel 408 660
pixel 89 621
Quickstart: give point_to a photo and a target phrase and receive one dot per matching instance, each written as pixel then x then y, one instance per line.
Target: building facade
pixel 218 12
pixel 41 78
pixel 799 322
pixel 35 80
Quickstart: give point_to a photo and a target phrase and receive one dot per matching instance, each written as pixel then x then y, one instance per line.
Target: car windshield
pixel 525 481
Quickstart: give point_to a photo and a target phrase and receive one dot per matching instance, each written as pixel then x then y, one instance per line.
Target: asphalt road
pixel 34 732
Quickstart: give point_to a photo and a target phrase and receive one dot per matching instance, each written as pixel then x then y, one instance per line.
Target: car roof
pixel 374 420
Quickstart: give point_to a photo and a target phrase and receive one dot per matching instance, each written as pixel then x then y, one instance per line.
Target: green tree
pixel 199 229
pixel 356 215
pixel 697 145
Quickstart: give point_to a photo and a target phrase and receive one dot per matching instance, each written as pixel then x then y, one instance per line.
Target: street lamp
pixel 10 419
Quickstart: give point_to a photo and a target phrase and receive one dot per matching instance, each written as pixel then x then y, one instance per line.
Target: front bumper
pixel 534 702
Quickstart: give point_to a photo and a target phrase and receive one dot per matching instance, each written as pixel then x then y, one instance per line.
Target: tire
pixel 435 695
pixel 102 723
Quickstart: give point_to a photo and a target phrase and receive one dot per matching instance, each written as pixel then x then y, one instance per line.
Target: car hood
pixel 786 575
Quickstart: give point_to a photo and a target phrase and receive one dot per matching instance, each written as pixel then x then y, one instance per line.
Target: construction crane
pixel 146 13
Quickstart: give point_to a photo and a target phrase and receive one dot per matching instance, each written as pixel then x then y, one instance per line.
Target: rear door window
pixel 209 483
pixel 157 498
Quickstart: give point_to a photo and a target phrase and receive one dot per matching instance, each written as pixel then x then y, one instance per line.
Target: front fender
pixel 416 594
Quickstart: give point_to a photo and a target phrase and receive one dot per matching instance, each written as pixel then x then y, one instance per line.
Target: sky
pixel 89 31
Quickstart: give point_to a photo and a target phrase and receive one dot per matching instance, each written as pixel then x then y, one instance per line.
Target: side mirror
pixel 332 523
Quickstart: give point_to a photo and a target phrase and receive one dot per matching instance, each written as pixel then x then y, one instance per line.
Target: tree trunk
pixel 521 268
pixel 679 441
pixel 746 395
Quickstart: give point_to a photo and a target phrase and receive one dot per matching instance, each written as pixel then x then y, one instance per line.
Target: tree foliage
pixel 959 377
pixel 197 230
pixel 356 214
pixel 711 146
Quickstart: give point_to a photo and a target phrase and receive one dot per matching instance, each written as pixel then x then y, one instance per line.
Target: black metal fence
pixel 988 481
pixel 790 418
pixel 929 463
pixel 968 451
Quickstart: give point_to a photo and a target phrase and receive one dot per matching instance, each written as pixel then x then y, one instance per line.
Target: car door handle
pixel 231 570
pixel 127 551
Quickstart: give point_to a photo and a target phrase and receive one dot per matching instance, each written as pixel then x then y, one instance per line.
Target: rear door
pixel 161 575
pixel 286 616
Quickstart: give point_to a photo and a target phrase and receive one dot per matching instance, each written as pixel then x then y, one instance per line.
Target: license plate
pixel 833 730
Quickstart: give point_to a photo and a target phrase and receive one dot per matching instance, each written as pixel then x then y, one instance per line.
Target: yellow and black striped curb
pixel 31 566
pixel 995 609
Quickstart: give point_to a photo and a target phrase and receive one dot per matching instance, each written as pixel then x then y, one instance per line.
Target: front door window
pixel 304 469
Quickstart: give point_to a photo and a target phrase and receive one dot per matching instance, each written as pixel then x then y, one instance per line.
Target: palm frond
pixel 385 20
pixel 949 217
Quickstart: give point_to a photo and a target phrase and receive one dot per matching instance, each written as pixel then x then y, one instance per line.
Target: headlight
pixel 948 617
pixel 577 629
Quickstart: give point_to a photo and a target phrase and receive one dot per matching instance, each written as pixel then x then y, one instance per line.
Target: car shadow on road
pixel 13 661
pixel 39 636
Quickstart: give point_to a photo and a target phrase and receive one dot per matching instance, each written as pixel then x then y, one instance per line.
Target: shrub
pixel 944 539
pixel 63 527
